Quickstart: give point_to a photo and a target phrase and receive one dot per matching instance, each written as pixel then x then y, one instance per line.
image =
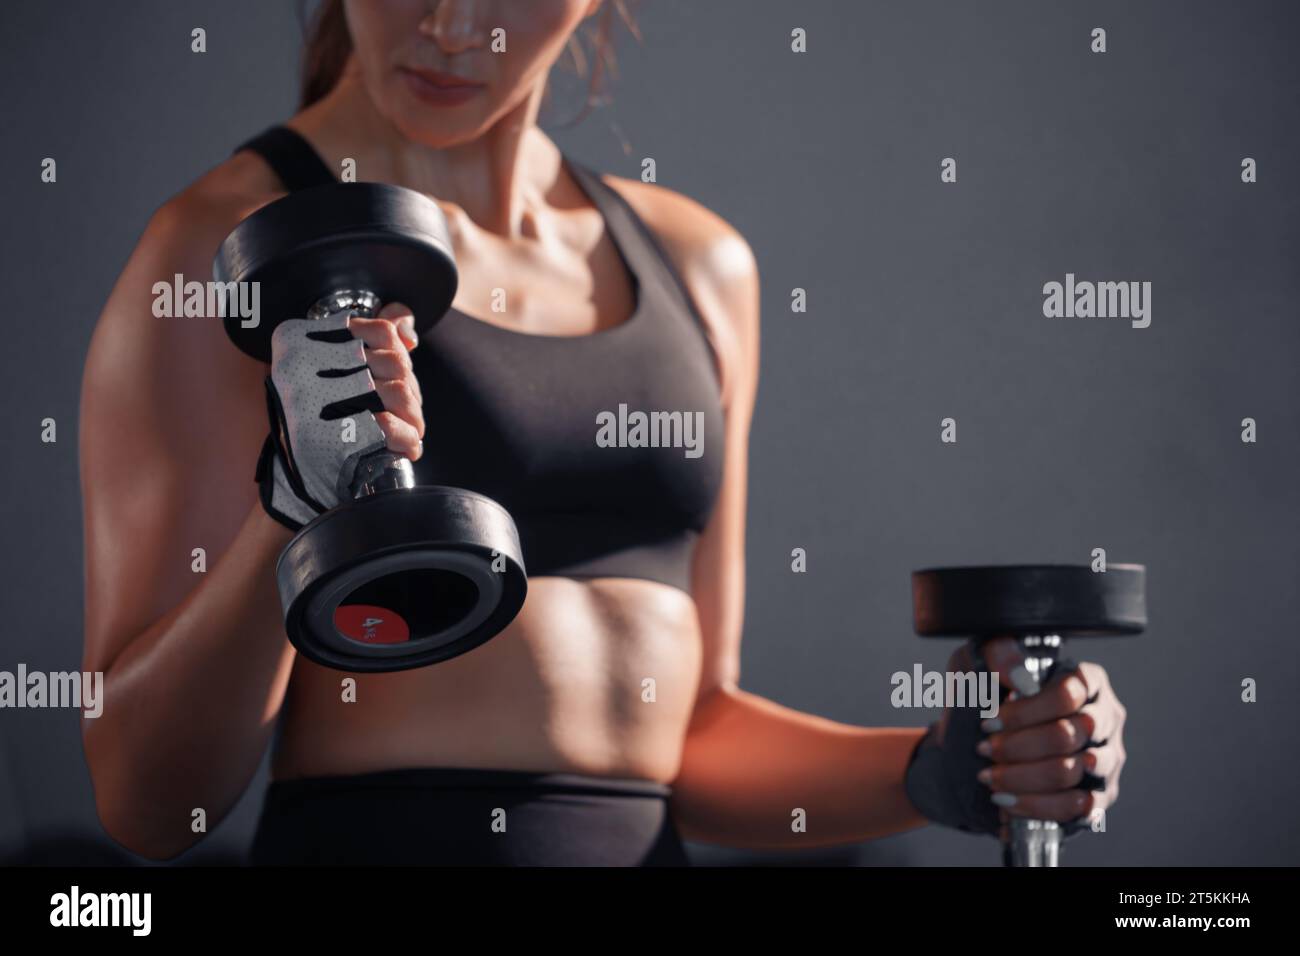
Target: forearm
pixel 750 764
pixel 189 704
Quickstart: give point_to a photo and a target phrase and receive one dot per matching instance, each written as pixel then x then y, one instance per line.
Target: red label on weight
pixel 371 625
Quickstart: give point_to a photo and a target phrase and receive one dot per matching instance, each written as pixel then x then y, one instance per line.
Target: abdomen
pixel 594 676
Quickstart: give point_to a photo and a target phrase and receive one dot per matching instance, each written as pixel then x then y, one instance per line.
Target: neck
pixel 497 179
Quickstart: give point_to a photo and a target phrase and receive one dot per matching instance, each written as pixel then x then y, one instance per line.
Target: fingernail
pixel 1023 681
pixel 992 725
pixel 984 748
pixel 985 776
pixel 1004 799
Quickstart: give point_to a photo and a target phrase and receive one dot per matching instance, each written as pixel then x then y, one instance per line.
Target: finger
pixel 399 397
pixel 1107 720
pixel 1063 695
pixel 1062 806
pixel 1059 738
pixel 401 436
pixel 1103 762
pixel 394 364
pixel 1004 657
pixel 402 316
pixel 1096 679
pixel 1047 776
pixel 377 333
pixel 389 363
pixel 382 333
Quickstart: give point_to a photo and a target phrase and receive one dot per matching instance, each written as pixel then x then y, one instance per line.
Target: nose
pixel 453 25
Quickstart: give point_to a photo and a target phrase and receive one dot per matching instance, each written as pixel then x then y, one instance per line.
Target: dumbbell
pixel 1038 605
pixel 400 575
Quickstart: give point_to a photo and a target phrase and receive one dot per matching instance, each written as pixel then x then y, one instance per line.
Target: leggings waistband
pixel 467 816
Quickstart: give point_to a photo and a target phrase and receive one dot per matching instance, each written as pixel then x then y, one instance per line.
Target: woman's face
pixel 444 71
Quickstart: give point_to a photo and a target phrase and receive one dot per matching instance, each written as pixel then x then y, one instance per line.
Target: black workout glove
pixel 320 400
pixel 940 778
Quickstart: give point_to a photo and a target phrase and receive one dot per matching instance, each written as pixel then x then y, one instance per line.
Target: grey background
pixel 925 302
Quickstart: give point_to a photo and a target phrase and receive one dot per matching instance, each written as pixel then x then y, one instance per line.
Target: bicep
pixel 170 427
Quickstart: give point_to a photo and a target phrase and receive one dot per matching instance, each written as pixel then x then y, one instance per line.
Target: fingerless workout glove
pixel 321 401
pixel 940 778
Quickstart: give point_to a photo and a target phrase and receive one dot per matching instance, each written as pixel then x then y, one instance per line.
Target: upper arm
pixel 170 425
pixel 721 276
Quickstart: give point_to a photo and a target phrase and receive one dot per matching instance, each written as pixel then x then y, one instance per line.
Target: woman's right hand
pixel 340 388
pixel 389 339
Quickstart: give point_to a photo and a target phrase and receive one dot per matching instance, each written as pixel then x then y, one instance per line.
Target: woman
pixel 556 741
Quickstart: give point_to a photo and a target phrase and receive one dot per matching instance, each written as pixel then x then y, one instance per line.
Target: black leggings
pixel 461 817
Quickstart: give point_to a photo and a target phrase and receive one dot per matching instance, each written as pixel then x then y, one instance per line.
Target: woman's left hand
pixel 1042 744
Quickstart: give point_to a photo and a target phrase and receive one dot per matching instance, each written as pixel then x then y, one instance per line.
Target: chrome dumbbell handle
pixel 381 470
pixel 1035 842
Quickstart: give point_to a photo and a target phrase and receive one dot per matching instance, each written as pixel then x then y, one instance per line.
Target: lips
pixel 446 81
pixel 435 88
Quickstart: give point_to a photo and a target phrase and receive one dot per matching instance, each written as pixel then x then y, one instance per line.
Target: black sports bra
pixel 606 448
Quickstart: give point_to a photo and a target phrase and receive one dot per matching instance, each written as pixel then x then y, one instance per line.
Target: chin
pixel 438 129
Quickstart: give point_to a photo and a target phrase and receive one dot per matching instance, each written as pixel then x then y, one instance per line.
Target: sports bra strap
pixel 293 159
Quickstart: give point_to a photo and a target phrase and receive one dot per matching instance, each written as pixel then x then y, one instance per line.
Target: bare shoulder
pixel 715 262
pixel 181 238
pixel 203 213
pixel 135 354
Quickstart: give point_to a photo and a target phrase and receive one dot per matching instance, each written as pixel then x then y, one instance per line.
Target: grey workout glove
pixel 321 401
pixel 940 778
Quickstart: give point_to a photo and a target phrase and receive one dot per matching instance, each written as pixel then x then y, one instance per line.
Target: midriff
pixel 594 676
